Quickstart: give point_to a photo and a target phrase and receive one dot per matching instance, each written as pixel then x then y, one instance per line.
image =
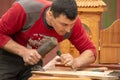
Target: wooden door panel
pixel 109 55
pixel 110 43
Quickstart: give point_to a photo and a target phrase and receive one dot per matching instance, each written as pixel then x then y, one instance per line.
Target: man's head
pixel 65 7
pixel 62 15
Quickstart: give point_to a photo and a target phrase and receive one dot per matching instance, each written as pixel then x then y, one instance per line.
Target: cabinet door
pixel 110 54
pixel 110 43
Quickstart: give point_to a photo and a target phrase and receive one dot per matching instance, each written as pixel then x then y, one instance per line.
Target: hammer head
pixel 48 45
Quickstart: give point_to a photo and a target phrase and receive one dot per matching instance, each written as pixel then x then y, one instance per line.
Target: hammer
pixel 47 46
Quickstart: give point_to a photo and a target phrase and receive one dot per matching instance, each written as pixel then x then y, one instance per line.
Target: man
pixel 28 21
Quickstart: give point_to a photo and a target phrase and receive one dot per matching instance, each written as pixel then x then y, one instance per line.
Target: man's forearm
pixel 13 47
pixel 85 59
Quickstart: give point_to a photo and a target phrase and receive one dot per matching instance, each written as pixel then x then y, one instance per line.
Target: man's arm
pixel 30 56
pixel 86 58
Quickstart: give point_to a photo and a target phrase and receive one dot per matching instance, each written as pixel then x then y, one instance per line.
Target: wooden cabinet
pixel 110 43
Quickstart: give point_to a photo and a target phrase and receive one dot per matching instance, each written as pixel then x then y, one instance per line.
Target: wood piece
pixel 56 78
pixel 42 76
pixel 109 66
pixel 77 74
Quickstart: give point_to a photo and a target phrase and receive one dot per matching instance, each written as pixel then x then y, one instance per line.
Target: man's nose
pixel 68 29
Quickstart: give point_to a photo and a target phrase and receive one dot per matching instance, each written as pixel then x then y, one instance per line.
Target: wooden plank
pixel 57 78
pixel 77 74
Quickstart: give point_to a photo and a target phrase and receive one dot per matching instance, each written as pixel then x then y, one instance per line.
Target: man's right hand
pixel 31 57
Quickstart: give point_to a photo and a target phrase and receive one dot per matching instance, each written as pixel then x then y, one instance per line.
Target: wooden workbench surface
pixel 56 78
pixel 61 72
pixel 71 75
pixel 43 77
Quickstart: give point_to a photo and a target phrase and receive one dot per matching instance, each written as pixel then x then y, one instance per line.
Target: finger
pixel 31 61
pixel 35 57
pixel 65 60
pixel 69 62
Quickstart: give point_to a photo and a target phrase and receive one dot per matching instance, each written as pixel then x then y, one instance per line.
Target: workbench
pixel 55 78
pixel 66 74
pixel 92 72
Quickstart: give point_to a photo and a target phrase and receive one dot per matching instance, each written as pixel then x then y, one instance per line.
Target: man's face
pixel 62 24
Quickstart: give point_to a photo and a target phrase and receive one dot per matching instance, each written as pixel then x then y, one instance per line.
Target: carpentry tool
pixel 59 53
pixel 99 69
pixel 48 45
pixel 115 73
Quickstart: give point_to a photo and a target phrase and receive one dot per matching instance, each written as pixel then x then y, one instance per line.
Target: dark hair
pixel 65 7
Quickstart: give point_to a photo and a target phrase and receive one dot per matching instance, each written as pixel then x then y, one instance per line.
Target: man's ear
pixel 50 13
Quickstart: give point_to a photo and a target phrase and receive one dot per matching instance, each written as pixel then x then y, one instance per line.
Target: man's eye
pixel 64 24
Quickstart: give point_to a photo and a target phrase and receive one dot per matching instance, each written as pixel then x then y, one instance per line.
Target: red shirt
pixel 14 19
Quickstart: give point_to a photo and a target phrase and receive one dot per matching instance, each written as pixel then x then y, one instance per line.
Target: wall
pixel 4 6
pixel 118 8
pixel 112 12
